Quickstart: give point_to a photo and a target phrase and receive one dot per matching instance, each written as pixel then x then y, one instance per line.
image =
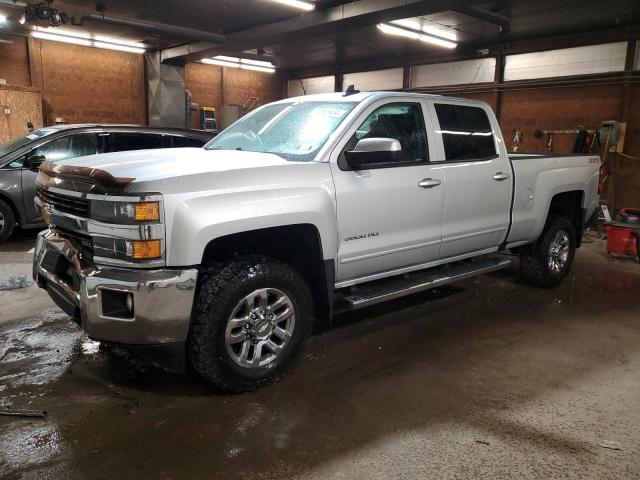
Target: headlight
pixel 130 231
pixel 125 213
pixel 128 250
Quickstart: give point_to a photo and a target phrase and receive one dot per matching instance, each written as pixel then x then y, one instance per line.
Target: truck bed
pixel 537 182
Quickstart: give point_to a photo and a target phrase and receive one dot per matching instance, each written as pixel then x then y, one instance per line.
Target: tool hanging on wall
pixel 517 139
pixel 549 142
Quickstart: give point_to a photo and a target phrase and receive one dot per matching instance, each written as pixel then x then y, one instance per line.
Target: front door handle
pixel 429 183
pixel 500 176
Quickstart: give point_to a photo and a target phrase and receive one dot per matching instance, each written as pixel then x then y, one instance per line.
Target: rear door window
pixel 121 142
pixel 466 132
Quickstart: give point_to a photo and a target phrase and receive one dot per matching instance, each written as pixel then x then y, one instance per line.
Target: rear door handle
pixel 500 176
pixel 429 183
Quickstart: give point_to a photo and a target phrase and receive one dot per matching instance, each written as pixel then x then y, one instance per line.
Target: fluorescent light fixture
pixel 87 41
pixel 222 63
pixel 301 4
pixel 416 35
pixel 227 59
pixel 258 63
pixel 3 18
pixel 258 69
pixel 59 38
pixel 423 25
pixel 243 63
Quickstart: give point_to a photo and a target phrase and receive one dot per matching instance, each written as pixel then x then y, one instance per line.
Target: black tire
pixel 7 221
pixel 534 261
pixel 220 291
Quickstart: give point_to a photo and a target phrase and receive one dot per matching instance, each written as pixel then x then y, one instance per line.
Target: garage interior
pixel 488 378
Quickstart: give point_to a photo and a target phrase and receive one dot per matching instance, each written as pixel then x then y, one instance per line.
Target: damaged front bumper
pixel 132 307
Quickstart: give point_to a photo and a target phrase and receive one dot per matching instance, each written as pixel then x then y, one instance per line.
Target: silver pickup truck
pixel 224 256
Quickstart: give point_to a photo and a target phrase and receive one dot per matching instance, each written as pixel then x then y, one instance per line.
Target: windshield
pixel 293 131
pixel 20 142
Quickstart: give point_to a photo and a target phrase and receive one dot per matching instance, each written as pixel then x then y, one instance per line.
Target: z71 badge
pixel 361 236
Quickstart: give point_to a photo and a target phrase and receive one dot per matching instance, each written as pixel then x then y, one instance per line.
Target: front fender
pixel 197 221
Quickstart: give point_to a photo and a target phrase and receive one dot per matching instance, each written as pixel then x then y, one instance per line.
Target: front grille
pixel 82 243
pixel 64 203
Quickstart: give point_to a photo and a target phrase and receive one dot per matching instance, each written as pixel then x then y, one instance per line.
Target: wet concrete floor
pixel 490 379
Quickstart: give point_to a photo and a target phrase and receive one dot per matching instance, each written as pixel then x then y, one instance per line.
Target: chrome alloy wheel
pixel 1 221
pixel 559 251
pixel 260 327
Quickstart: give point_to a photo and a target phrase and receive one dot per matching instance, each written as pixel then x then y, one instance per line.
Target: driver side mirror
pixel 373 153
pixel 33 162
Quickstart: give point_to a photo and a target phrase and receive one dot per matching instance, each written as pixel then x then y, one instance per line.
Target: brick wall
pixel 216 86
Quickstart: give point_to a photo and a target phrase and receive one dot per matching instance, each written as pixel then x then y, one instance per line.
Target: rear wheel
pixel 549 260
pixel 7 221
pixel 250 320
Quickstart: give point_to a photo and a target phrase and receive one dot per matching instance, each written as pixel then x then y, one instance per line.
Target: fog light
pixel 117 304
pixel 146 249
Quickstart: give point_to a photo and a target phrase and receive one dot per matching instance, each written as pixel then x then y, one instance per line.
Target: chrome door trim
pixel 475 234
pixel 389 252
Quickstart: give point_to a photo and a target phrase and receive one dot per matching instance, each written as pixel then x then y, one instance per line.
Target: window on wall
pixel 466 132
pixel 403 122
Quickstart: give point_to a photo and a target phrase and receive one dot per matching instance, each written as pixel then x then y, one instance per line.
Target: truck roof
pixel 374 95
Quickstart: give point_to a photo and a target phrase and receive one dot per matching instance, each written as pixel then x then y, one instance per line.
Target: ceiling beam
pixel 485 16
pixel 327 21
pixel 510 46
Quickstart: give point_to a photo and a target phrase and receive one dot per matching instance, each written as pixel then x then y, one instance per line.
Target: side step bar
pixel 383 290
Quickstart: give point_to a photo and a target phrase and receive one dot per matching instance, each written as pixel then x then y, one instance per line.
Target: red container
pixel 623 235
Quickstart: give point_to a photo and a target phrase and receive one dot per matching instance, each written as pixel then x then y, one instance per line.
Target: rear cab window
pixel 466 132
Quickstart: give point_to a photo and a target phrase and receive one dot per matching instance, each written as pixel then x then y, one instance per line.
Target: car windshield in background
pixel 293 131
pixel 20 142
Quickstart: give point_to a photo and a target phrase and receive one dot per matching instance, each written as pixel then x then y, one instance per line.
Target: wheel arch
pixel 299 245
pixel 570 205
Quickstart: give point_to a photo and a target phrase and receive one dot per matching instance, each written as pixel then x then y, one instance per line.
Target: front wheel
pixel 549 260
pixel 250 320
pixel 7 221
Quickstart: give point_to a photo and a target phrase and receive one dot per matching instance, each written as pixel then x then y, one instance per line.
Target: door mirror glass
pixel 33 162
pixel 373 152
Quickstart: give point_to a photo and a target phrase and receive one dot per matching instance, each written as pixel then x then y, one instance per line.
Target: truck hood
pixel 150 165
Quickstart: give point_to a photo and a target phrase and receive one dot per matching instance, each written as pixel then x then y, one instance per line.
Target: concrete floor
pixel 490 379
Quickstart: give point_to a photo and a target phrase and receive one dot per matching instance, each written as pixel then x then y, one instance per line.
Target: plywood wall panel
pixel 82 84
pixel 24 106
pixel 14 62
